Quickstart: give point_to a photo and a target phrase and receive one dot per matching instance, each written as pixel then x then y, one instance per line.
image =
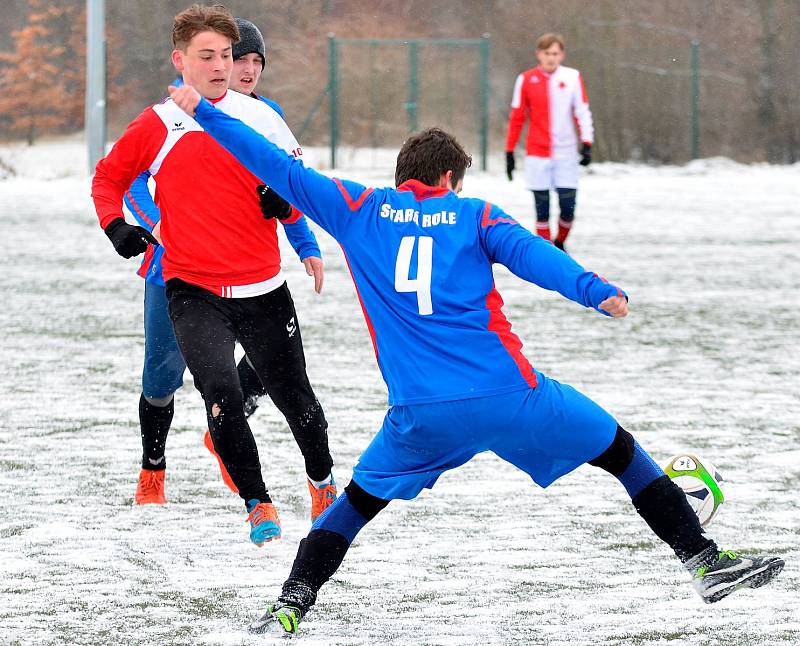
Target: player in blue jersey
pixel 164 366
pixel 421 259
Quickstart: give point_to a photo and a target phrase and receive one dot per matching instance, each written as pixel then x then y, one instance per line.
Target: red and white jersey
pixel 555 103
pixel 212 228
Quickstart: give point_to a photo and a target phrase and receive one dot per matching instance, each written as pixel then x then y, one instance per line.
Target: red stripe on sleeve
pixel 486 221
pixel 603 278
pixel 353 205
pixel 584 96
pixel 294 217
pixel 578 127
pixel 139 211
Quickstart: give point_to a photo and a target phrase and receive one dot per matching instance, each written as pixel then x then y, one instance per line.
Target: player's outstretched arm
pixel 319 197
pixel 534 259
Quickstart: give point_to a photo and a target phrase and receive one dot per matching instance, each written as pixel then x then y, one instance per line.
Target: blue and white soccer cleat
pixel 264 523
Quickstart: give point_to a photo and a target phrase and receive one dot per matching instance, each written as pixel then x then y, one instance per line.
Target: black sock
pixel 155 422
pixel 664 507
pixel 320 554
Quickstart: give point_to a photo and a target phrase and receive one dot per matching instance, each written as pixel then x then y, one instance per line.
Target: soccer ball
pixel 700 481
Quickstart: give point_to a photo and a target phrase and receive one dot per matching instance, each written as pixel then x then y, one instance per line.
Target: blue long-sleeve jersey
pixel 141 205
pixel 421 259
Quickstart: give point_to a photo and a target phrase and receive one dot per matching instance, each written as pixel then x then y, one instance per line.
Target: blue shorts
pixel 547 432
pixel 163 368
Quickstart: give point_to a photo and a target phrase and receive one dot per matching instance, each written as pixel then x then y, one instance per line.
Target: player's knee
pixel 222 395
pixel 618 456
pixel 224 402
pixel 541 200
pixel 159 402
pixel 566 203
pixel 364 503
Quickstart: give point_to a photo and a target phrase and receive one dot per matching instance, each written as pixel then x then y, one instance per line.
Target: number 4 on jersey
pixel 422 283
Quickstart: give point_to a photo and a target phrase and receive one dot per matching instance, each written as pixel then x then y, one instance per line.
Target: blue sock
pixel 341 518
pixel 640 472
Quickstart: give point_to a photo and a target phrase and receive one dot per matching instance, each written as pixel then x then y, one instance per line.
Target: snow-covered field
pixel 707 360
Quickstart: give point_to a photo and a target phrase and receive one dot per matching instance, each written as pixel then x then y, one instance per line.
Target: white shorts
pixel 544 173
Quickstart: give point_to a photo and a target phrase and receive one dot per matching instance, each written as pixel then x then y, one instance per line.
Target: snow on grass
pixel 707 361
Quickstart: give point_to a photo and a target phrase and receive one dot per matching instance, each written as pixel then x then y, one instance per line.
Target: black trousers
pixel 207 328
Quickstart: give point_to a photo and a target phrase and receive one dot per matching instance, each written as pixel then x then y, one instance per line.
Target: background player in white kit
pixel 554 99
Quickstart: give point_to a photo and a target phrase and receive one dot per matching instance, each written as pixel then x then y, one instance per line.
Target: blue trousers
pixel 164 366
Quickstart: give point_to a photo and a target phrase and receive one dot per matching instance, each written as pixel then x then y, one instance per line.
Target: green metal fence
pixel 442 82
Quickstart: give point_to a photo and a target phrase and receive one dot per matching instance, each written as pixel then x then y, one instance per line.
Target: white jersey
pixel 555 104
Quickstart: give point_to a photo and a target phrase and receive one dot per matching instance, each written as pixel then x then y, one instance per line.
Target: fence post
pixel 695 99
pixel 484 82
pixel 334 98
pixel 95 100
pixel 411 106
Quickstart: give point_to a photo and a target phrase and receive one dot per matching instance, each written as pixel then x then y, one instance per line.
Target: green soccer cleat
pixel 279 619
pixel 718 574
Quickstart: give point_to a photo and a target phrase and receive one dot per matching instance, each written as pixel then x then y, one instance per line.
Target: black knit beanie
pixel 250 41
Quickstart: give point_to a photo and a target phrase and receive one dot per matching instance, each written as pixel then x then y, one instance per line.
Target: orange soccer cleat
pixel 321 498
pixel 150 490
pixel 264 523
pixel 226 477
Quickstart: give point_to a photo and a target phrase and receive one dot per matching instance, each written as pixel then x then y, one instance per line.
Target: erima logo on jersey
pixel 291 327
pixel 178 126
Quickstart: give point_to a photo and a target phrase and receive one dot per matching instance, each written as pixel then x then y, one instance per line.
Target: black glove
pixel 586 155
pixel 510 165
pixel 272 204
pixel 128 240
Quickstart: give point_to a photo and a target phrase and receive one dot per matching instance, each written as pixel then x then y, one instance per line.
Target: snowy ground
pixel 707 360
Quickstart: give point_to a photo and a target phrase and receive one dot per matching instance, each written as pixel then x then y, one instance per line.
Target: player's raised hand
pixel 316 268
pixel 185 97
pixel 617 306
